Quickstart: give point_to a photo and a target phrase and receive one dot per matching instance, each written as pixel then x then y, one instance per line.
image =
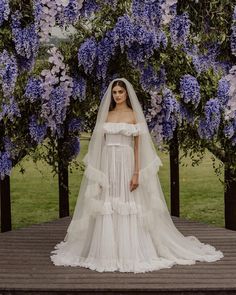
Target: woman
pixel 121 221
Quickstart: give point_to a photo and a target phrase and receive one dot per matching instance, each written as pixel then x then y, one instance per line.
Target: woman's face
pixel 119 94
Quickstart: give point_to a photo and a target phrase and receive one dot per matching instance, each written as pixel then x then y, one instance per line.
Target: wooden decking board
pixel 26 268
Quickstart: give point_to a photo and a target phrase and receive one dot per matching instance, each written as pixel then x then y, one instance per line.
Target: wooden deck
pixel 25 266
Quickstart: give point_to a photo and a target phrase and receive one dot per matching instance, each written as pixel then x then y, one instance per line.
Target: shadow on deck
pixel 26 268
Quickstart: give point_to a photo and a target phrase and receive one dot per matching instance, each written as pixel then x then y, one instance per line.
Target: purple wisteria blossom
pixel 10 147
pixel 10 110
pixel 37 131
pixel 170 109
pixel 209 125
pixel 190 90
pixel 179 29
pixel 148 13
pixel 89 7
pixel 233 34
pixel 4 11
pixel 79 88
pixel 70 13
pixel 202 62
pixel 8 73
pixel 75 125
pixel 150 80
pixel 163 116
pixel 223 92
pixel 54 110
pixel 144 42
pixel 5 164
pixel 57 90
pixel 26 39
pixel 34 89
pixel 124 32
pixel 87 54
pixel 105 50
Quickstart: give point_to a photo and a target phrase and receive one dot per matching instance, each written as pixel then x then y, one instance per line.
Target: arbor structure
pixel 170 48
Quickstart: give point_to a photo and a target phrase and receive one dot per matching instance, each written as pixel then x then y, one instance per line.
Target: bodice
pixel 120 134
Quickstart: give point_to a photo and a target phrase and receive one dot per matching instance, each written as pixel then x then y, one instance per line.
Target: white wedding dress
pixel 117 239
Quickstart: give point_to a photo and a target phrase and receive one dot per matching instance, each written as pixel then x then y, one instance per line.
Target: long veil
pixel 169 242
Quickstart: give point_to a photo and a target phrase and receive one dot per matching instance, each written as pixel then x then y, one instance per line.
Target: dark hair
pixel 123 85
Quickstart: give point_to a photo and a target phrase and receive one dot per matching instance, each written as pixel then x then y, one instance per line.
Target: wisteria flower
pixel 190 90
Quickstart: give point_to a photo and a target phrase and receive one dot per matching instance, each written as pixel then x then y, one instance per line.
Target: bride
pixel 121 221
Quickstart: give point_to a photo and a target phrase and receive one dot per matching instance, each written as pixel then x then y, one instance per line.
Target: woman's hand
pixel 134 182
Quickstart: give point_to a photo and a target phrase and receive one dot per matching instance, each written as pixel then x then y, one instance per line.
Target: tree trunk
pixel 174 175
pixel 230 198
pixel 5 203
pixel 63 183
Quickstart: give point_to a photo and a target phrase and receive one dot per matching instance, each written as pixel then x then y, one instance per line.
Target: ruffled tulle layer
pixel 121 230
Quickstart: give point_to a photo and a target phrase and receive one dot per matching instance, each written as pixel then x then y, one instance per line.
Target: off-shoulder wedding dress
pixel 117 236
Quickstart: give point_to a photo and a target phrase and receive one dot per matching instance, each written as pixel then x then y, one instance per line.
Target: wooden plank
pixel 25 266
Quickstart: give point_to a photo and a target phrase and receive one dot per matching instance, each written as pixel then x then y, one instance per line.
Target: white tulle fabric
pixel 122 230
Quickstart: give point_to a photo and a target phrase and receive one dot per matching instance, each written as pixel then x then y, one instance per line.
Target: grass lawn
pixel 35 193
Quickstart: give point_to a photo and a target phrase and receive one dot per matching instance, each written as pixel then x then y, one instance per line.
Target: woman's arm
pixel 136 154
pixel 134 181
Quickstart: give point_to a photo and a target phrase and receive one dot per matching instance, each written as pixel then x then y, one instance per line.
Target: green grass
pixel 35 193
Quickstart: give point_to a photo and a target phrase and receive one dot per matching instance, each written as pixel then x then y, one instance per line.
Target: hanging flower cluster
pixel 10 147
pixel 79 88
pixel 231 105
pixel 4 11
pixel 179 29
pixel 147 13
pixel 70 13
pixel 5 164
pixel 49 12
pixel 105 50
pixel 52 91
pixel 202 62
pixel 163 115
pixel 190 90
pixel 57 90
pixel 37 131
pixel 10 109
pixel 8 73
pixel 8 78
pixel 87 55
pixel 75 124
pixel 150 80
pixel 233 34
pixel 168 10
pixel 139 41
pixel 26 39
pixel 209 125
pixel 143 44
pixel 223 92
pixel 34 89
